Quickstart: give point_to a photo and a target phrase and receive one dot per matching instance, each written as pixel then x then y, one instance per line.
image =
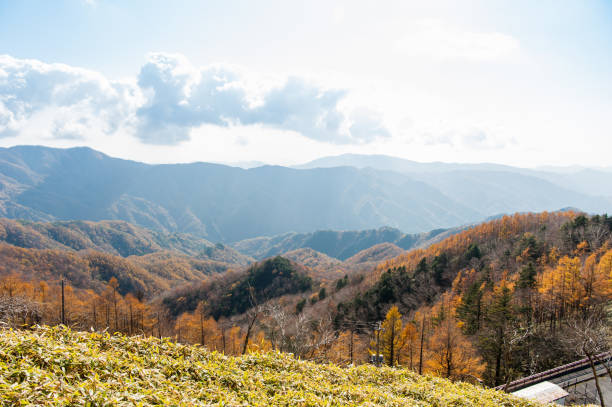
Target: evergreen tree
pixel 472 252
pixel 527 276
pixel 469 310
pixel 422 267
pixel 494 340
pixel 438 265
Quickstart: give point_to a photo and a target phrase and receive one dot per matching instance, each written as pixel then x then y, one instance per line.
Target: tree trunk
pixel 601 399
pixel 421 350
pixel 603 362
pixel 377 345
pixel 63 309
pixel 202 329
pixel 248 332
pixel 95 323
pixel 449 352
pixel 392 345
pixel 115 305
pixel 223 338
pixel 498 357
pixel 131 321
pixel 351 347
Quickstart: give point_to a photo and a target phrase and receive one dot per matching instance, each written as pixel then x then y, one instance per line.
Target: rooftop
pixel 544 392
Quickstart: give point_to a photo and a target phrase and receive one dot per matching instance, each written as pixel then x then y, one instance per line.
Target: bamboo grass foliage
pixel 59 367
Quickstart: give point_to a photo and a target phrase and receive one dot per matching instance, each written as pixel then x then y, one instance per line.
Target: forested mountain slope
pixel 236 292
pixel 142 276
pixel 515 290
pixel 337 244
pixel 114 237
pixel 228 204
pixel 217 202
pixel 500 300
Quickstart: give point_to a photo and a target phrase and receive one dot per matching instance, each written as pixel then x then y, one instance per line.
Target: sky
pixel 283 82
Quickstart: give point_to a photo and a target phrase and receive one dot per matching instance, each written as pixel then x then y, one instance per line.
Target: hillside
pixel 375 254
pixel 337 244
pixel 146 275
pixel 236 292
pixel 87 255
pixel 229 204
pixel 59 367
pixel 114 237
pixel 217 202
pixel 511 288
pixel 320 265
pixel 501 298
pixel 323 267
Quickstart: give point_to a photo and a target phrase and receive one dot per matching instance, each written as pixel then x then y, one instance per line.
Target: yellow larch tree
pixel 391 340
pixel 451 354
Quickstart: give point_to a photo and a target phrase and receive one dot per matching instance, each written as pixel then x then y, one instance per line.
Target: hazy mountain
pixel 320 265
pixel 388 163
pixel 588 181
pixel 375 254
pixel 325 267
pixel 337 244
pixel 228 204
pixel 494 192
pixel 502 186
pixel 218 202
pixel 244 164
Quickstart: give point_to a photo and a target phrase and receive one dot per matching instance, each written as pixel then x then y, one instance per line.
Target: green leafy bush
pixel 58 367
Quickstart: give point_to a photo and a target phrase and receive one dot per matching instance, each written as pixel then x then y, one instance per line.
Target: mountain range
pixel 227 204
pixel 118 238
pixel 89 253
pixel 338 244
pixel 491 188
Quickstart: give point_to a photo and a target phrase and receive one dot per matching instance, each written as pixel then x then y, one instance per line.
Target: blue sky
pixel 524 83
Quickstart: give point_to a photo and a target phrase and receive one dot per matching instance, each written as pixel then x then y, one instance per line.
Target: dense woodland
pixel 508 293
pixel 501 300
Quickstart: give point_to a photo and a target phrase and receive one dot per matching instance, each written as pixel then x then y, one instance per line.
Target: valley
pixel 418 299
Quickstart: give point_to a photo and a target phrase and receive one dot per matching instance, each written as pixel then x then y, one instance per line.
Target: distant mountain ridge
pixel 592 181
pixel 217 202
pixel 340 245
pixel 396 164
pixel 228 204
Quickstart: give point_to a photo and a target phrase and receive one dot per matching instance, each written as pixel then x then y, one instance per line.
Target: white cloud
pixel 367 125
pixel 169 99
pixel 435 39
pixel 29 88
pixel 182 97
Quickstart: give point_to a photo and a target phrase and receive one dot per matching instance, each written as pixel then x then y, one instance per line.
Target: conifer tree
pixel 527 276
pixel 498 319
pixel 469 310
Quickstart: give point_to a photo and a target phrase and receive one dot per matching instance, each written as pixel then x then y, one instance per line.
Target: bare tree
pixel 588 336
pixel 252 314
pixel 596 234
pixel 323 336
pixel 277 325
pixel 17 310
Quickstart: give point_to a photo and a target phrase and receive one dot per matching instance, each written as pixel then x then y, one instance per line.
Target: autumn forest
pixel 495 302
